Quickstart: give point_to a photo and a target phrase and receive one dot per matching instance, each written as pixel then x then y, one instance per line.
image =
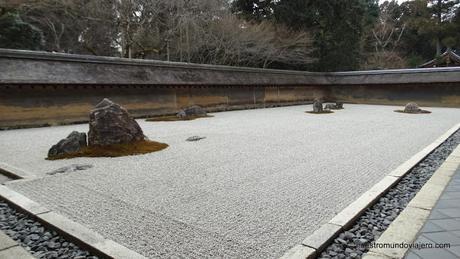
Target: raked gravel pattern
pixel 260 182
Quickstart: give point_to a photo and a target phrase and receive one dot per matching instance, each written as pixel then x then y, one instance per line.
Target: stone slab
pixel 16 252
pixel 403 229
pixel 116 250
pixel 322 237
pixel 345 217
pixel 300 252
pixel 427 196
pixel 409 164
pixel 348 215
pixel 21 201
pixel 450 166
pixel 6 241
pixel 14 172
pixel 87 237
pixel 77 231
pixel 442 178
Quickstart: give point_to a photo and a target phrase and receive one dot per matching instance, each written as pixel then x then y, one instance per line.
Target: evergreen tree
pixel 17 34
pixel 430 28
pixel 442 11
pixel 338 27
pixel 297 14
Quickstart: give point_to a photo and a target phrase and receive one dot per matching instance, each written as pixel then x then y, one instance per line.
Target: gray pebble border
pixel 35 238
pixel 375 220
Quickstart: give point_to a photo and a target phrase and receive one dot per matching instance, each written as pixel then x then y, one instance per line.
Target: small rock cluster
pixel 192 111
pixel 413 108
pixel 375 220
pixel 318 106
pixel 109 124
pixel 332 106
pixel 70 168
pixel 35 238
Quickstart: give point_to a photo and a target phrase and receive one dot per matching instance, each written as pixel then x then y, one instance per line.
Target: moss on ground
pixel 134 148
pixel 175 118
pixel 420 112
pixel 323 112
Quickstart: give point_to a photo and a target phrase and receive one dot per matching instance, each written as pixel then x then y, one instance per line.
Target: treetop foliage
pixel 326 35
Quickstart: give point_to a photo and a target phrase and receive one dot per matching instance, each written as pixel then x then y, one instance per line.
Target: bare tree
pixel 231 41
pixel 199 31
pixel 73 26
pixel 387 34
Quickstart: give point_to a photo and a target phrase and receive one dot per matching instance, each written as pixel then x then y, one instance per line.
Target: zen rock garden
pixel 250 175
pixel 217 129
pixel 112 132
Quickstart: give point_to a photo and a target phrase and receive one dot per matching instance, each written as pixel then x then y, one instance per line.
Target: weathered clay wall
pixel 40 88
pixel 29 105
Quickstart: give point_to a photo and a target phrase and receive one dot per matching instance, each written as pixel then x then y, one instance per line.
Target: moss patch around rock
pixel 135 148
pixel 175 118
pixel 323 112
pixel 420 112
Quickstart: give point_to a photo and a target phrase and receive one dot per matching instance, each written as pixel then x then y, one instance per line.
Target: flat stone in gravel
pixel 261 182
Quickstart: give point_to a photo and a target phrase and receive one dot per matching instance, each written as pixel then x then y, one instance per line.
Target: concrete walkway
pixel 10 249
pixel 443 225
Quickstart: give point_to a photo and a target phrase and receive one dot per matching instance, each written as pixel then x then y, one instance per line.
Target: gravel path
pixel 260 182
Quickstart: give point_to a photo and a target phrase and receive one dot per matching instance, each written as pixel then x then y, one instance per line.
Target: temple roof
pixel 447 59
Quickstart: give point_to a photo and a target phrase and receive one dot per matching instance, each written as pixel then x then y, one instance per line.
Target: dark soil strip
pixel 376 219
pixel 35 238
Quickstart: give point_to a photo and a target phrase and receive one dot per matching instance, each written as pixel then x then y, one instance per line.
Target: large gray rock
pixel 195 110
pixel 412 108
pixel 317 106
pixel 72 144
pixel 181 114
pixel 110 123
pixel 329 106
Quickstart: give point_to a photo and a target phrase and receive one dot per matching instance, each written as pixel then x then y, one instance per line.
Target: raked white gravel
pixel 259 183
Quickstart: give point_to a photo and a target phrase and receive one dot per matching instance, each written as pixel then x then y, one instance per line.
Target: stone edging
pixel 81 235
pixel 405 227
pixel 14 172
pixel 316 242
